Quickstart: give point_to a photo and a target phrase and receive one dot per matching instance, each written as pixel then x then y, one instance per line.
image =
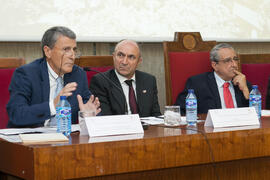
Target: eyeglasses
pixel 69 51
pixel 230 60
pixel 121 55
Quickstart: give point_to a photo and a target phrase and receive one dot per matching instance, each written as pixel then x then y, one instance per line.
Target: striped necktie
pixel 59 87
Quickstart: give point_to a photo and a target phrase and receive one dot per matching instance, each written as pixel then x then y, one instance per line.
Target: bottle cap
pixel 254 86
pixel 62 97
pixel 190 90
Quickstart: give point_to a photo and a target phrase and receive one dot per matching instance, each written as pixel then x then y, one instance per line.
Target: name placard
pixel 113 125
pixel 218 118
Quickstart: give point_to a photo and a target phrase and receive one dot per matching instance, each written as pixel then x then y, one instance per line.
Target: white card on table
pixel 232 117
pixel 113 125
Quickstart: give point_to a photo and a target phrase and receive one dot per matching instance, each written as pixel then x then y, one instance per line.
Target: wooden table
pixel 161 153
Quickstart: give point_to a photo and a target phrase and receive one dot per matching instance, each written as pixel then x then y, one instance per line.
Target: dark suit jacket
pixel 206 91
pixel 29 94
pixel 113 101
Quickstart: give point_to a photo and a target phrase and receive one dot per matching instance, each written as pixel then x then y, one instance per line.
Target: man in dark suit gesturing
pixel 35 88
pixel 128 90
pixel 213 89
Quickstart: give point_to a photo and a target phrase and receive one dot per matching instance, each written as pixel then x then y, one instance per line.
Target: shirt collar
pixel 220 81
pixel 51 72
pixel 122 78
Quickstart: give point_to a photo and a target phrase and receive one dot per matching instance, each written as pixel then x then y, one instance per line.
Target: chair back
pixel 184 57
pixel 98 63
pixel 7 67
pixel 256 67
pixel 7 63
pixel 267 104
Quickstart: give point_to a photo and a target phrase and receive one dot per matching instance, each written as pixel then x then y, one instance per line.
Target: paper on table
pixel 12 134
pixel 44 137
pixel 265 112
pixel 17 131
pixel 11 138
pixel 160 120
pixel 75 127
pixel 153 120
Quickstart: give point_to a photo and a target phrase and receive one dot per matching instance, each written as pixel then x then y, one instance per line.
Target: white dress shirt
pixel 53 84
pixel 220 83
pixel 125 87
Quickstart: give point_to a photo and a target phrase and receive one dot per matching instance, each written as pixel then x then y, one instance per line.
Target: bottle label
pixel 191 111
pixel 65 112
pixel 63 117
pixel 191 103
pixel 256 100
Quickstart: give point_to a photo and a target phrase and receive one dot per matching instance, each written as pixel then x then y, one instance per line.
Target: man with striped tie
pixel 35 88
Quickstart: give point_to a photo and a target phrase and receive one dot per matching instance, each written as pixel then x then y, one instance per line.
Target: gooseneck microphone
pixel 113 83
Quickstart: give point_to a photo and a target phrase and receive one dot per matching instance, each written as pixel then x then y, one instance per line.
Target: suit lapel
pixel 214 89
pixel 45 80
pixel 237 96
pixel 117 93
pixel 139 86
pixel 67 78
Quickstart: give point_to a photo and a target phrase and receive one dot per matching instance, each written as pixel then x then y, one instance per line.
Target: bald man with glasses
pixel 225 87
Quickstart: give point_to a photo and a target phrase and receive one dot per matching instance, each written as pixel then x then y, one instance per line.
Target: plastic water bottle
pixel 255 100
pixel 63 116
pixel 191 108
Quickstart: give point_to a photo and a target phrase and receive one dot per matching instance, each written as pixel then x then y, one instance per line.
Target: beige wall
pixel 152 54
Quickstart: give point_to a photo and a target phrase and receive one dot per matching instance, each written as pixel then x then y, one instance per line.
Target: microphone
pixel 115 85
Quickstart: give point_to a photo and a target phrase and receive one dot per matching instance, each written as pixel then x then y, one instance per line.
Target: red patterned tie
pixel 227 95
pixel 132 98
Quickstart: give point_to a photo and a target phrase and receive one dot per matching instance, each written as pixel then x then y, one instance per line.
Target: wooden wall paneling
pixel 27 50
pixel 102 48
pixel 251 47
pixel 87 49
pixel 152 53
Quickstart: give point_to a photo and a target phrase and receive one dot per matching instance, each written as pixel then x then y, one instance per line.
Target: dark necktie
pixel 132 98
pixel 227 95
